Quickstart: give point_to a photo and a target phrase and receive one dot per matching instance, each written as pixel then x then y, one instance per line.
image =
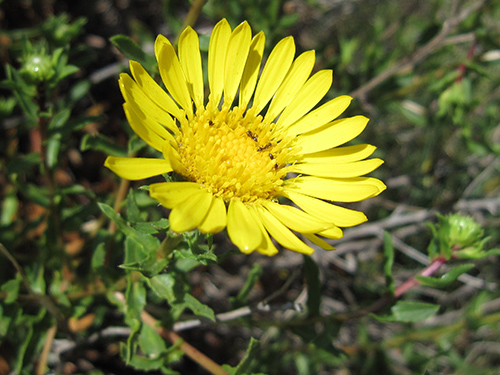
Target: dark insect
pixel 210 122
pixel 253 136
pixel 265 147
pixel 271 156
pixel 276 167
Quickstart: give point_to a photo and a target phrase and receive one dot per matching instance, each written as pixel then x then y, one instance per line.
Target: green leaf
pixel 35 193
pixel 60 119
pixel 149 242
pixel 150 342
pixel 163 285
pixel 135 298
pixel 409 312
pixel 99 256
pixel 133 212
pixel 198 308
pixel 132 51
pixel 445 279
pixel 313 286
pixel 24 94
pixel 389 261
pixel 53 147
pixel 9 209
pixel 101 143
pixel 167 287
pixel 23 163
pixel 11 287
pixel 253 277
pixel 244 366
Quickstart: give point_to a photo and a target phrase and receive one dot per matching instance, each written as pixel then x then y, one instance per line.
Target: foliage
pixel 93 281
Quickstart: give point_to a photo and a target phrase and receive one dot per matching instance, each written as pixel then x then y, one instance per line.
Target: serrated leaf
pixel 445 279
pixel 313 286
pixel 409 312
pixel 389 261
pixel 198 308
pixel 166 287
pixel 149 242
pixel 150 342
pixel 163 286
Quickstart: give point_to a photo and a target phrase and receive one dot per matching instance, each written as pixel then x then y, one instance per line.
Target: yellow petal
pixel 340 170
pixel 242 228
pixel 154 91
pixel 320 116
pixel 134 96
pixel 274 72
pixel 309 95
pixel 293 82
pixel 332 134
pixel 172 155
pixel 340 190
pixel 281 233
pixel 190 58
pixel 137 168
pixel 340 154
pixel 328 212
pixel 173 76
pixel 252 68
pixel 149 130
pixel 216 219
pixel 296 219
pixel 266 247
pixel 217 60
pixel 318 241
pixel 191 212
pixel 171 194
pixel 237 53
pixel 334 233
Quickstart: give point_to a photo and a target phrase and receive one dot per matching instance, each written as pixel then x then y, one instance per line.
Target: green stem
pixel 192 16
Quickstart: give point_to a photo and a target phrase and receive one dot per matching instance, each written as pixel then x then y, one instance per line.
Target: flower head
pixel 236 158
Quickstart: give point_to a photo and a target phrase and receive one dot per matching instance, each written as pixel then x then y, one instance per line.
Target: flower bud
pixel 461 231
pixel 37 68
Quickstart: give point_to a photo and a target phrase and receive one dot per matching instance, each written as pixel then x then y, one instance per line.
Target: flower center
pixel 234 154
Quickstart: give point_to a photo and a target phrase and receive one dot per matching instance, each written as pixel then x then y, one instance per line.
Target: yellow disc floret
pixel 233 154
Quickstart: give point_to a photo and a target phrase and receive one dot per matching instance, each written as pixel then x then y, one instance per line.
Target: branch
pixel 420 54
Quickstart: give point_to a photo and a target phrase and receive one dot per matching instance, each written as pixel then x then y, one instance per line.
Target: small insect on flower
pixel 253 136
pixel 269 145
pixel 237 186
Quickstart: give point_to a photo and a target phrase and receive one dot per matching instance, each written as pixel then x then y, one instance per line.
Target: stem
pixel 41 368
pixel 193 353
pixel 400 290
pixel 192 16
pixel 412 282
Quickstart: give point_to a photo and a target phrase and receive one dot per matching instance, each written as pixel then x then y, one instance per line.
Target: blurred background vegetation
pixel 427 74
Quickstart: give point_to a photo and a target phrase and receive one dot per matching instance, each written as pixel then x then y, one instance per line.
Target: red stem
pixel 427 271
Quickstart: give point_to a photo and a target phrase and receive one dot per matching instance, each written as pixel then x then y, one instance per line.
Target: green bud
pixel 37 68
pixel 461 231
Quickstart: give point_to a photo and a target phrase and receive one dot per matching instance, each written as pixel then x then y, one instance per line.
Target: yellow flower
pixel 238 159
